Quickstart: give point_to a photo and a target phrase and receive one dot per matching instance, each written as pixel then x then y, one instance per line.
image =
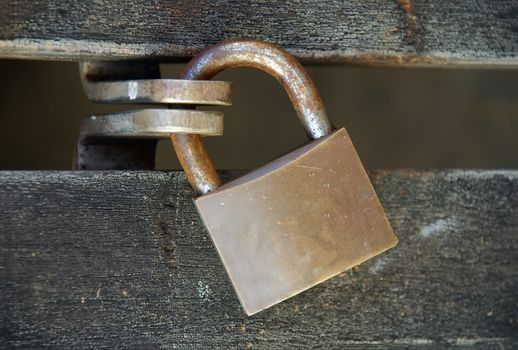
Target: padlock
pixel 298 220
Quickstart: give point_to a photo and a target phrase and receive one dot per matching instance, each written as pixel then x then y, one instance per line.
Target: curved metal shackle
pixel 253 54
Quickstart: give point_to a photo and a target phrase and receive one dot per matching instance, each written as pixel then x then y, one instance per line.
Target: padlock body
pixel 296 221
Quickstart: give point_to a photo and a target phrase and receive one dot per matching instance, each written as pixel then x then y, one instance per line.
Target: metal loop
pixel 254 54
pixel 152 123
pixel 102 83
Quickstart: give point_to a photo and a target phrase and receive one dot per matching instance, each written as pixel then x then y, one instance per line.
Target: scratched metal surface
pixel 121 259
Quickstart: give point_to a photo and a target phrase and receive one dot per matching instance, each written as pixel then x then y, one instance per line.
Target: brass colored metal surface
pixel 254 54
pixel 153 123
pixel 296 221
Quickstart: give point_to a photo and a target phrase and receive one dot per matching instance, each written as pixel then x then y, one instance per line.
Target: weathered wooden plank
pixel 121 259
pixel 408 32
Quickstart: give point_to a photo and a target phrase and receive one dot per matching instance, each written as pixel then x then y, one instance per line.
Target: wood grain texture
pixel 397 32
pixel 121 259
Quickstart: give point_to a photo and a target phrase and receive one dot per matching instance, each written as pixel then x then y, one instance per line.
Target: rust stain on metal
pixel 195 162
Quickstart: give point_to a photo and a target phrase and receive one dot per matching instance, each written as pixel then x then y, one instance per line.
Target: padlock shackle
pixel 253 54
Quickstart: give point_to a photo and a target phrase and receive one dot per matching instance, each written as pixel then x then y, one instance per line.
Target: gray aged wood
pixel 408 32
pixel 121 259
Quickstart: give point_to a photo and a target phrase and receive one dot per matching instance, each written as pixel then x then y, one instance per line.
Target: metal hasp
pixel 127 140
pixel 298 220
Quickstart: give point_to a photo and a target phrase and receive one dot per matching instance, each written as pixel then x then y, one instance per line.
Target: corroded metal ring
pixel 108 82
pixel 164 91
pixel 153 123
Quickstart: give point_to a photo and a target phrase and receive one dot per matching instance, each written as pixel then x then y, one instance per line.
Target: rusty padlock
pixel 298 220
